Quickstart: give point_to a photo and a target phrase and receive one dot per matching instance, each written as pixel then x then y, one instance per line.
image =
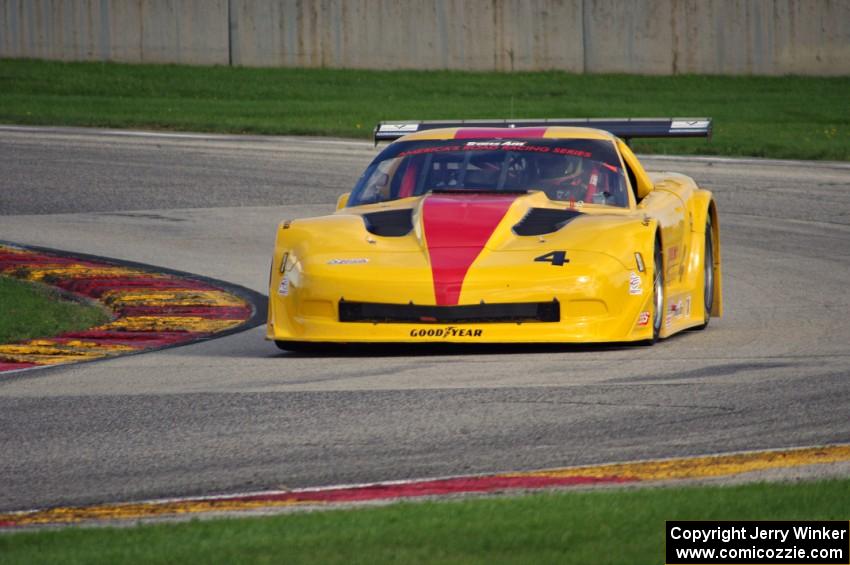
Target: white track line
pixel 398 482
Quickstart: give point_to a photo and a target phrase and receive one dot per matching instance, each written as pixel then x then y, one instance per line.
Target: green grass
pixel 30 311
pixel 784 117
pixel 609 526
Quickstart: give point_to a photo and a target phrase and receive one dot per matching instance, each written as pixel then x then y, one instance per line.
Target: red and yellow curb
pixel 616 473
pixel 152 309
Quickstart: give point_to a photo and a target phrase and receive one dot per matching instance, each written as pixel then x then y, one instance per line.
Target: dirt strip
pixel 151 309
pixel 668 470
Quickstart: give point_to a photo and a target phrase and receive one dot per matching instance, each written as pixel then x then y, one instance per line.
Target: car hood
pixel 441 238
pixel 475 221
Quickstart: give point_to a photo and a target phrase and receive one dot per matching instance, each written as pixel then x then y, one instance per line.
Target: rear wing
pixel 625 128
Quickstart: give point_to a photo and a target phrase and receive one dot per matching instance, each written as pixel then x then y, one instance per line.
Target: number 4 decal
pixel 557 258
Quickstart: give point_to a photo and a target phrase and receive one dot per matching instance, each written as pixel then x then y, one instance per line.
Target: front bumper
pixel 594 301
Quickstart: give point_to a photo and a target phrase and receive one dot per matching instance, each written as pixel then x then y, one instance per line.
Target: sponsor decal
pixel 394 128
pixel 283 287
pixel 438 149
pixel 688 124
pixel 506 145
pixel 477 144
pixel 678 309
pixel 535 148
pixel 450 331
pixel 575 152
pixel 635 284
pixel 643 319
pixel 481 145
pixel 353 261
pixel 672 312
pixel 496 144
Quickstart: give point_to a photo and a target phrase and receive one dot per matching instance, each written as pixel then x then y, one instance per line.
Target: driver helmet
pixel 559 166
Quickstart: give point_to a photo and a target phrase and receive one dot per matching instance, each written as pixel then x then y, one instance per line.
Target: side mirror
pixel 342 200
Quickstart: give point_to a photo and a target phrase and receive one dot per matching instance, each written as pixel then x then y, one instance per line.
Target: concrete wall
pixel 596 36
pixel 136 31
pixel 421 34
pixel 762 36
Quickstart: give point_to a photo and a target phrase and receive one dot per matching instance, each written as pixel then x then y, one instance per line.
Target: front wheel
pixel 657 292
pixel 708 275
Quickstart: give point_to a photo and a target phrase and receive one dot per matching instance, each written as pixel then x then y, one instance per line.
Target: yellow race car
pixel 546 231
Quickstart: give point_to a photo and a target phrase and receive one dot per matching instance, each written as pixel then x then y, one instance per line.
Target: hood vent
pixel 539 221
pixel 392 223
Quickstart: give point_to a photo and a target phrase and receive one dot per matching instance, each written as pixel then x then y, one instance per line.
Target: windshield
pixel 578 170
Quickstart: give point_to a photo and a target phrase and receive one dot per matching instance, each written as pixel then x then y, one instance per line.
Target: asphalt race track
pixel 235 414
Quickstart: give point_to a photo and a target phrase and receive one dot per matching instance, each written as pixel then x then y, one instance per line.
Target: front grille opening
pixel 519 312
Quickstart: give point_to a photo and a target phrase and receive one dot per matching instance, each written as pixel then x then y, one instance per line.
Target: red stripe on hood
pixel 457 226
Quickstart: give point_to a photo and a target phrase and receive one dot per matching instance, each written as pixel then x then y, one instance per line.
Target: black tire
pixel 708 275
pixel 657 292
